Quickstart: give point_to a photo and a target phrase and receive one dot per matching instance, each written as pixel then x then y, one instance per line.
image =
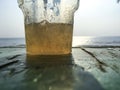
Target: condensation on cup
pixel 48 25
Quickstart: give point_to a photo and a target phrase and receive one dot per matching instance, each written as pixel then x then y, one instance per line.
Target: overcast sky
pixel 93 18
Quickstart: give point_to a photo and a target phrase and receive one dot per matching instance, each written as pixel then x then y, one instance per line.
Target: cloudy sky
pixel 93 18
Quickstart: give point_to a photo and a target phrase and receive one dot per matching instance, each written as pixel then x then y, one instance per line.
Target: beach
pixel 85 69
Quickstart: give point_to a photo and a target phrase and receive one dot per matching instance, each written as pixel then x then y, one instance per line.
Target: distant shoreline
pixel 96 46
pixel 84 46
pixel 78 41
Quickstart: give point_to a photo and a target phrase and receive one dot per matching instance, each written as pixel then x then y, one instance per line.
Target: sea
pixel 78 41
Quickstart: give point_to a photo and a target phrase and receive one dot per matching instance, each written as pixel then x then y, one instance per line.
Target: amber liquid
pixel 48 39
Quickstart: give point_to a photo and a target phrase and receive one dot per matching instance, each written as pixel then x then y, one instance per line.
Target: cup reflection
pixel 48 60
pixel 57 73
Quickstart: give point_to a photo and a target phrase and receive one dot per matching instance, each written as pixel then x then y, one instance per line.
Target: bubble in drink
pixel 49 39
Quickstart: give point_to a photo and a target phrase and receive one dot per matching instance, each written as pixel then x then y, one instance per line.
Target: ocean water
pixel 77 41
pixel 12 42
pixel 108 41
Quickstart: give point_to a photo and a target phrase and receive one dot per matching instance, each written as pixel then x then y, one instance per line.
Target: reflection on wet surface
pixel 49 73
pixel 49 60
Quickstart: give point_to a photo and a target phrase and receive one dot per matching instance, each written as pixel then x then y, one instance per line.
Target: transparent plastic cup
pixel 48 25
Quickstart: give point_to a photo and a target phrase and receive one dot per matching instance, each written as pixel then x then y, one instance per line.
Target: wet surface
pixel 77 71
pixel 46 73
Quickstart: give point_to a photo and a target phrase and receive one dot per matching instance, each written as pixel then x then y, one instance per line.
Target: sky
pixel 93 18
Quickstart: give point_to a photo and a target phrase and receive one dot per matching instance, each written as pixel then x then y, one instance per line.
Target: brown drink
pixel 48 25
pixel 48 38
